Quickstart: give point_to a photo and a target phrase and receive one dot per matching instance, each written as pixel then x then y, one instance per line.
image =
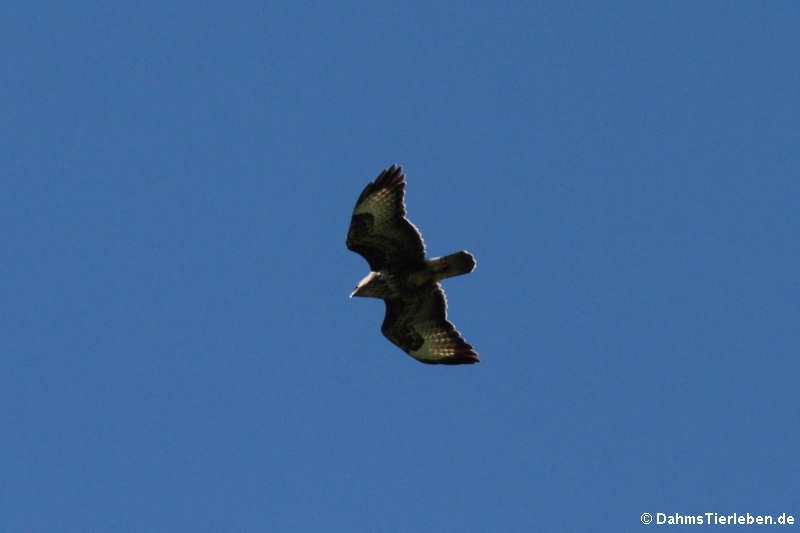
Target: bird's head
pixel 373 285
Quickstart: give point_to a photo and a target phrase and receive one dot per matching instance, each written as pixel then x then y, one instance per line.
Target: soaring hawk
pixel 416 309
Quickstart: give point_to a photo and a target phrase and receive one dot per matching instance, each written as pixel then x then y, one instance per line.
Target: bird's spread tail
pixel 451 265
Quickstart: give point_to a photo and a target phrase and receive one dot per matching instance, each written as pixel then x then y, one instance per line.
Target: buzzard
pixel 416 309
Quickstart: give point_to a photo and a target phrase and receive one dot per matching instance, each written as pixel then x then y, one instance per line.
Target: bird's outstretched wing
pixel 379 230
pixel 417 323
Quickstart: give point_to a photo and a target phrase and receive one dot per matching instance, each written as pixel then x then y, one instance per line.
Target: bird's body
pixel 416 309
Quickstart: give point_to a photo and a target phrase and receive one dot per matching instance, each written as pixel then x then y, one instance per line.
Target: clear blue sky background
pixel 179 352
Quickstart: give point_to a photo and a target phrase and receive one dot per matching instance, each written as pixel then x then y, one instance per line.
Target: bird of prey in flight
pixel 416 308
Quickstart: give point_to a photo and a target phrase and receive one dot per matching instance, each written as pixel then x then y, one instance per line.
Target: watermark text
pixel 719 519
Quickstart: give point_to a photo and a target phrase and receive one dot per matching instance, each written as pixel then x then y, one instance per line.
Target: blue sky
pixel 179 352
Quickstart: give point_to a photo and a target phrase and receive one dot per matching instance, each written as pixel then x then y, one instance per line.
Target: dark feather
pixel 379 230
pixel 417 323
